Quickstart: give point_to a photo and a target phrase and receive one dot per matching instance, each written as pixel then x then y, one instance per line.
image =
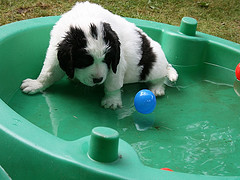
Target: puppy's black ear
pixel 74 39
pixel 111 39
pixel 64 56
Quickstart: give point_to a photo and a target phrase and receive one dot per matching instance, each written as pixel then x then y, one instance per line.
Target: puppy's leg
pixel 158 87
pixel 172 73
pixel 50 73
pixel 112 98
pixel 113 85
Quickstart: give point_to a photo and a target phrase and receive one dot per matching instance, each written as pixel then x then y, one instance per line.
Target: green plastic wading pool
pixel 64 133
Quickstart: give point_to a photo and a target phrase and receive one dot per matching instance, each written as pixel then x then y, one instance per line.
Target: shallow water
pixel 194 129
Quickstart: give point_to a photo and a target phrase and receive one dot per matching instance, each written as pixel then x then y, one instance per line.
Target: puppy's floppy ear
pixel 74 38
pixel 64 56
pixel 111 39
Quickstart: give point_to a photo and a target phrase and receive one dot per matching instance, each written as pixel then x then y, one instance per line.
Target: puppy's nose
pixel 97 80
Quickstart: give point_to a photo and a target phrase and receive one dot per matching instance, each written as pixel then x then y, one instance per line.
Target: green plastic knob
pixel 104 144
pixel 188 26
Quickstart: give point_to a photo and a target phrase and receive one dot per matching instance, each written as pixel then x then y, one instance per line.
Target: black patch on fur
pixel 71 51
pixel 112 56
pixel 93 31
pixel 82 59
pixel 148 57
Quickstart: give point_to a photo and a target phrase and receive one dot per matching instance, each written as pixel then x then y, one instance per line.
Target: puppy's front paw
pixel 112 100
pixel 31 86
pixel 158 92
pixel 111 103
pixel 172 73
pixel 158 89
pixel 173 77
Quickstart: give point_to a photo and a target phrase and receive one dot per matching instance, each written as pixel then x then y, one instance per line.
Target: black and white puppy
pixel 93 45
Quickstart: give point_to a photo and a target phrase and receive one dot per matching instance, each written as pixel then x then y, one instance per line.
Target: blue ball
pixel 145 101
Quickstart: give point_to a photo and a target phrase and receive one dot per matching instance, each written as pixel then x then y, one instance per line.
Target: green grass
pixel 216 17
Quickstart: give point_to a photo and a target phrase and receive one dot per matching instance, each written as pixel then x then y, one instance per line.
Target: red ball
pixel 166 169
pixel 237 72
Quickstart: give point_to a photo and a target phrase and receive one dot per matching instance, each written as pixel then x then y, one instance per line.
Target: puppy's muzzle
pixel 97 80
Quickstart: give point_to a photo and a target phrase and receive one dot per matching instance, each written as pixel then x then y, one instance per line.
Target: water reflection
pixel 52 113
pixel 236 87
pixel 143 121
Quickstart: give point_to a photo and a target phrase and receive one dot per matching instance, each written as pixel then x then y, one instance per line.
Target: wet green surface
pixel 194 129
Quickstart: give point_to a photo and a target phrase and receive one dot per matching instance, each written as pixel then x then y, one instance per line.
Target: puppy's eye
pixel 84 61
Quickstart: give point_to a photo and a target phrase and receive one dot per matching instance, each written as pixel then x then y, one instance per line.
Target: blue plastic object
pixel 145 101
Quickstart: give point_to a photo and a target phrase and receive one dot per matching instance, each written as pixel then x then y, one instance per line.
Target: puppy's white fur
pixel 128 69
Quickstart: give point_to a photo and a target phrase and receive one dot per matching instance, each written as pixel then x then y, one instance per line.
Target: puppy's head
pixel 89 54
